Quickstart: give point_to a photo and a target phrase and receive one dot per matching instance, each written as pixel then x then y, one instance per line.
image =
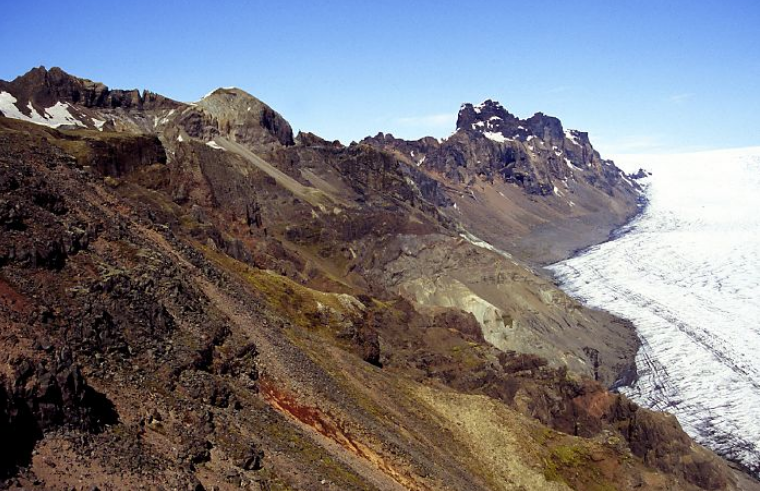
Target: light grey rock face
pixel 245 119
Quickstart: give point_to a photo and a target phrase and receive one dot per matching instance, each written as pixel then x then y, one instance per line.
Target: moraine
pixel 687 273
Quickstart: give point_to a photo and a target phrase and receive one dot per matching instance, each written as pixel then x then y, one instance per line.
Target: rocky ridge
pixel 527 186
pixel 192 297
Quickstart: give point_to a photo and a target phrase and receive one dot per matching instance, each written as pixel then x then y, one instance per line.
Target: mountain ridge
pixel 194 297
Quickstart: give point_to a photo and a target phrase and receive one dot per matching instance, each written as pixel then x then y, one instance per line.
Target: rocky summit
pixel 192 297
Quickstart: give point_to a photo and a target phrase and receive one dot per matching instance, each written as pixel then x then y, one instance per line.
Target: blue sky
pixel 640 76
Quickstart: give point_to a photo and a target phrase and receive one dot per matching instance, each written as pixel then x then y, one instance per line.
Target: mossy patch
pixel 303 306
pixel 564 462
pixel 571 464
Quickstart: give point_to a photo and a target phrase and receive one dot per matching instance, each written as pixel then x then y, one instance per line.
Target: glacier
pixel 686 272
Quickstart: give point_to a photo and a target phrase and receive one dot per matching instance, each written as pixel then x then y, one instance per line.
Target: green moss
pixel 605 486
pixel 551 473
pixel 569 456
pixel 544 435
pixel 303 306
pixel 564 460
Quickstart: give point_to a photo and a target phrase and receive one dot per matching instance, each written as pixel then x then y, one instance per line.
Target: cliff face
pixel 191 297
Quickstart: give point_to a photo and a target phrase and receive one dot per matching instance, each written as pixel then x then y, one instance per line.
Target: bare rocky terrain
pixel 192 297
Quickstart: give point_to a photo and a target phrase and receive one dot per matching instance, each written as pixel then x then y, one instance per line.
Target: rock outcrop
pixel 44 88
pixel 526 186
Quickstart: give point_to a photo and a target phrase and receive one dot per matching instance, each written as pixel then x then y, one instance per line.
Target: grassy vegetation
pixel 303 306
pixel 572 464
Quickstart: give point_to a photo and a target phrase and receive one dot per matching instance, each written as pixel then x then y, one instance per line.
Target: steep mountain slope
pixel 192 297
pixel 526 186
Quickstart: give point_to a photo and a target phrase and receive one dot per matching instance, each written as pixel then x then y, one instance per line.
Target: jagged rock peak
pixel 309 139
pixel 547 128
pixel 44 88
pixel 489 110
pixel 492 120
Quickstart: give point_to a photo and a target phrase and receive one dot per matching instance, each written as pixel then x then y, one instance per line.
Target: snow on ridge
pixel 497 137
pixel 209 94
pixel 54 116
pixel 572 136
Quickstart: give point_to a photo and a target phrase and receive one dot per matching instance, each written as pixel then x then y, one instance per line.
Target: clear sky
pixel 641 76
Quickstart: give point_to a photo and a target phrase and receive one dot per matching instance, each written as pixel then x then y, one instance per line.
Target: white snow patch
pixel 98 123
pixel 7 106
pixel 34 116
pixel 215 145
pixel 571 135
pixel 58 115
pixel 497 137
pixel 625 178
pixel 54 116
pixel 180 139
pixel 209 94
pixel 483 244
pixel 571 165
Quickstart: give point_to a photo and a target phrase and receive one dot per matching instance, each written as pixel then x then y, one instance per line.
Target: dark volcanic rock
pixel 43 88
pixel 641 174
pixel 120 156
pixel 39 399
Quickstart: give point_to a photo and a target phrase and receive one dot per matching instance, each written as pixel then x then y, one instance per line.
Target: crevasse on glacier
pixel 687 273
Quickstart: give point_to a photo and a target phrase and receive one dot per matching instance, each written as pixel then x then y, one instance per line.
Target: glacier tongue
pixel 687 273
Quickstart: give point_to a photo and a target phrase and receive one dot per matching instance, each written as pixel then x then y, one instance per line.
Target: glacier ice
pixel 687 273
